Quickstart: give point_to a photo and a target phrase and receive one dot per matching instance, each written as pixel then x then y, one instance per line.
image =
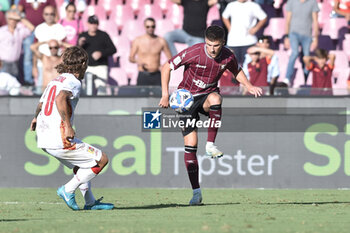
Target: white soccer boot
pixel 197 197
pixel 213 151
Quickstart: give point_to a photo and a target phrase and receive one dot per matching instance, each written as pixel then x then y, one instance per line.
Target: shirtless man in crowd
pixel 49 62
pixel 146 52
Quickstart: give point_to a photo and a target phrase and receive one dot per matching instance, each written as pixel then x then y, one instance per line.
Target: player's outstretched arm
pixel 164 101
pixel 37 111
pixel 64 109
pixel 256 91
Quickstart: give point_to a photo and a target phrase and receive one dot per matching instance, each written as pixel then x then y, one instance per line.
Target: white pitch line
pixel 31 203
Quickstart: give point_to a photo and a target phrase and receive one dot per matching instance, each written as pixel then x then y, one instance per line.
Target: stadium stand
pixel 332 26
pixel 123 20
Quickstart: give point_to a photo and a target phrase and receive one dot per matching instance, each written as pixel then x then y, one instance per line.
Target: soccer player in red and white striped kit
pixel 204 64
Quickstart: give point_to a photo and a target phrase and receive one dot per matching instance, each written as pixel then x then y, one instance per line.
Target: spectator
pixel 194 23
pixel 99 47
pixel 273 70
pixel 48 30
pixel 258 67
pixel 240 18
pixel 48 62
pixel 11 38
pixel 302 15
pixel 321 70
pixel 34 13
pixel 71 25
pixel 80 7
pixel 145 52
pixel 342 9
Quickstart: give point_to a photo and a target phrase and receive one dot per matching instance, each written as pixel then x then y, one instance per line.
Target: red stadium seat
pixel 165 6
pixel 213 15
pixel 133 29
pixel 119 75
pixel 332 27
pixel 164 26
pixel 341 60
pixel 325 11
pixel 148 10
pixel 276 28
pixel 176 14
pixel 346 45
pixel 123 45
pixel 340 76
pixel 283 58
pixel 123 14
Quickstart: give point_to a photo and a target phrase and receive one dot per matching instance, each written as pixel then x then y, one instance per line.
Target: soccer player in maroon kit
pixel 204 64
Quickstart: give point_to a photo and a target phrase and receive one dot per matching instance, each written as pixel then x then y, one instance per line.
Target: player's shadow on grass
pixel 13 220
pixel 309 203
pixel 171 205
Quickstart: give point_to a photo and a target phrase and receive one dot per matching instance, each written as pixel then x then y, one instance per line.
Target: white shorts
pixel 82 155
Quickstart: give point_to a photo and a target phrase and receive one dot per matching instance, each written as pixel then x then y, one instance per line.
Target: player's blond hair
pixel 74 60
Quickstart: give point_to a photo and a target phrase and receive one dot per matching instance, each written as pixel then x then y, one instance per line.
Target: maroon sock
pixel 192 165
pixel 214 115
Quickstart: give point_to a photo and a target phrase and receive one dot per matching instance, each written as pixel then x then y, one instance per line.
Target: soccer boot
pixel 213 151
pixel 69 198
pixel 98 205
pixel 197 197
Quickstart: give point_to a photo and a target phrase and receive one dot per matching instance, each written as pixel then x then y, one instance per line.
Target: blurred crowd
pixel 302 44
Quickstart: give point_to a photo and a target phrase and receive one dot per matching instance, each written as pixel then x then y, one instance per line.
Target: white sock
pixel 210 143
pixel 83 176
pixel 85 190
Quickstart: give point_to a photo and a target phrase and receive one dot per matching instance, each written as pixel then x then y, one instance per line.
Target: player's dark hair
pixel 321 53
pixel 70 4
pixel 263 37
pixel 215 33
pixel 74 60
pixel 149 19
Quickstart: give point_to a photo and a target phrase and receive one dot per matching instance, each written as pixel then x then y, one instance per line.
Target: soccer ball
pixel 181 100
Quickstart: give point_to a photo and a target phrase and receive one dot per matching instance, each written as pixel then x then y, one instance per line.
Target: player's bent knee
pixel 191 139
pixel 103 161
pixel 214 99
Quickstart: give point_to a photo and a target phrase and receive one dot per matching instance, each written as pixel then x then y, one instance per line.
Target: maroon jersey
pixel 321 78
pixel 34 9
pixel 202 72
pixel 258 72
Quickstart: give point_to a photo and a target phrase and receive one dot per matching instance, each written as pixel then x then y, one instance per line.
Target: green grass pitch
pixel 167 210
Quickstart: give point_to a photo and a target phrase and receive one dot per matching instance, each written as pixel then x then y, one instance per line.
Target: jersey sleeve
pixel 180 59
pixel 72 87
pixel 233 66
